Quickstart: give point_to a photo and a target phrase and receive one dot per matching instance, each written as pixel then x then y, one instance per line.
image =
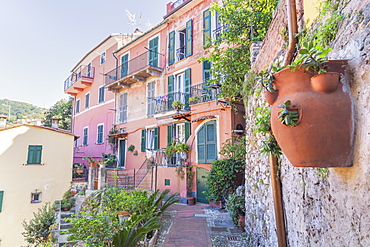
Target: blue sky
pixel 41 40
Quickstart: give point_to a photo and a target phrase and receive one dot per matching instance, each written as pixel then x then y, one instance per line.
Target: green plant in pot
pixel 236 206
pixel 178 105
pixel 131 148
pixel 288 116
pixel 193 99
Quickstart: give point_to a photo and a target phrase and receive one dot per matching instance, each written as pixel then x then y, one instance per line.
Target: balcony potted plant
pixel 193 99
pixel 323 128
pixel 178 105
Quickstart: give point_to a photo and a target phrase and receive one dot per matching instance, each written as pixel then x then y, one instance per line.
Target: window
pixel 85 138
pixel 151 99
pixel 124 65
pixel 153 52
pixel 167 182
pixel 123 108
pixel 1 200
pixel 211 24
pixel 36 197
pixel 87 100
pixel 89 73
pixel 78 106
pixel 102 58
pixel 206 138
pixel 179 88
pixel 149 139
pixel 101 94
pixel 34 154
pixel 179 131
pixel 100 134
pixel 180 43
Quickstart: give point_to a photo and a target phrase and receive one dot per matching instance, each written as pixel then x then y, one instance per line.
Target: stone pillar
pixel 90 182
pixel 101 176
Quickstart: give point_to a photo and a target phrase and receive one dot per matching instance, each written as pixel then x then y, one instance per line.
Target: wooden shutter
pixel 124 65
pixel 34 154
pixel 206 26
pixel 153 53
pixel 170 88
pixel 187 130
pixel 1 200
pixel 169 134
pixel 171 48
pixel 143 140
pixel 189 38
pixel 187 87
pixel 156 138
pixel 201 145
pixel 211 148
pixel 206 71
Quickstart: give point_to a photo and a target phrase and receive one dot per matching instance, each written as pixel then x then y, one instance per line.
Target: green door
pixel 201 184
pixel 122 152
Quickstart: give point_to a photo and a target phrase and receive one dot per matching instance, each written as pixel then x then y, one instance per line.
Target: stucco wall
pixel 18 180
pixel 320 210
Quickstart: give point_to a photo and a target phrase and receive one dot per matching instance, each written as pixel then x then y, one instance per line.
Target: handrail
pixel 141 173
pixel 82 71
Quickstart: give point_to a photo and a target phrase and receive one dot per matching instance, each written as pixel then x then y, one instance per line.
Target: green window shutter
pixel 153 53
pixel 156 138
pixel 34 154
pixel 187 130
pixel 124 65
pixel 206 26
pixel 38 154
pixel 170 88
pixel 189 38
pixel 171 48
pixel 1 200
pixel 206 71
pixel 169 134
pixel 201 145
pixel 143 140
pixel 30 155
pixel 187 87
pixel 211 146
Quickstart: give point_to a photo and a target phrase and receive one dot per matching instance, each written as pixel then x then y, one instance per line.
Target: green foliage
pixel 221 180
pixel 288 116
pixel 37 230
pixel 20 110
pixel 178 105
pixel 176 147
pixel 131 148
pixel 234 148
pixel 270 145
pixel 61 110
pixel 236 206
pixel 322 172
pixel 68 199
pixel 193 99
pixel 245 21
pixel 99 224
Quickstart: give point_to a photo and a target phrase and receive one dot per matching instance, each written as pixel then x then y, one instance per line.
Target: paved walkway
pixel 201 226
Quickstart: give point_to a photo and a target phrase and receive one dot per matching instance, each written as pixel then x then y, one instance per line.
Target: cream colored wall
pixel 18 180
pixel 310 11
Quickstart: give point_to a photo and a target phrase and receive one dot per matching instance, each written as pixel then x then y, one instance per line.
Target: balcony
pixel 81 78
pixel 201 93
pixel 163 104
pixel 137 69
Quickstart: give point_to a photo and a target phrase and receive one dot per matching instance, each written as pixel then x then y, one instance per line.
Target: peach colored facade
pixel 93 105
pixel 144 96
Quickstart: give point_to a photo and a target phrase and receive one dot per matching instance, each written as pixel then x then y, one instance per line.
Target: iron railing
pixel 217 31
pixel 201 93
pixel 164 103
pixel 82 71
pixel 180 53
pixel 130 67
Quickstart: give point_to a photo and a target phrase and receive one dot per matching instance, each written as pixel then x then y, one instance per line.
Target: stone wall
pixel 321 209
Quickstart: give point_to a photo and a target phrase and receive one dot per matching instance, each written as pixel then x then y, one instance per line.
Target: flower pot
pixel 270 97
pixel 66 208
pixel 241 221
pixel 80 171
pixel 217 204
pixel 324 134
pixel 325 83
pixel 191 201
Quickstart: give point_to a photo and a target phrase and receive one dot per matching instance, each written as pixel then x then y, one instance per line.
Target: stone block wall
pixel 321 209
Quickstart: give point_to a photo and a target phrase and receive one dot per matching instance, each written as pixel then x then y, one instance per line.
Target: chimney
pixel 2 121
pixel 55 123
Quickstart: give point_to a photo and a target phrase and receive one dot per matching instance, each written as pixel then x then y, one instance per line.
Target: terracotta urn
pixel 323 136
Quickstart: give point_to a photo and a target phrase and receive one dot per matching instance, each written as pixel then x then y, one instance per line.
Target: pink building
pixel 93 105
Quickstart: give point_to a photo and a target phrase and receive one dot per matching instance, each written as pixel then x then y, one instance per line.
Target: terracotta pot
pixel 191 201
pixel 270 97
pixel 325 83
pixel 217 204
pixel 241 220
pixel 324 134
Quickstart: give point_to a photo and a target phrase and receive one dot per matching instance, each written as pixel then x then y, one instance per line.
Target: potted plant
pixel 131 148
pixel 193 99
pixel 178 105
pixel 67 201
pixel 109 160
pixel 182 147
pixel 189 186
pixel 324 110
pixel 92 162
pixel 236 206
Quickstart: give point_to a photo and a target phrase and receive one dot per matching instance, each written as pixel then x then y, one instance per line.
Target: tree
pixel 37 230
pixel 244 21
pixel 61 110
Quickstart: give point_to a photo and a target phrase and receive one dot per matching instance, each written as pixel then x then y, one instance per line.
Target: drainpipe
pixel 274 169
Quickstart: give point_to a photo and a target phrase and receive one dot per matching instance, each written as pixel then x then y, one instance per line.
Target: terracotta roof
pixel 62 131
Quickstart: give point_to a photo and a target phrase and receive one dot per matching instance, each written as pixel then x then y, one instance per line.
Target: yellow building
pixel 35 168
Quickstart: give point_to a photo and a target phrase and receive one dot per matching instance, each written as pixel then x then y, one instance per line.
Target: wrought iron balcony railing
pixel 81 72
pixel 164 103
pixel 201 93
pixel 136 69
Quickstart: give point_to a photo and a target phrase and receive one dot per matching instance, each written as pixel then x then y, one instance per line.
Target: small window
pixel 87 100
pixel 1 200
pixel 85 139
pixel 102 58
pixel 167 182
pixel 100 134
pixel 78 106
pixel 101 94
pixel 34 154
pixel 36 197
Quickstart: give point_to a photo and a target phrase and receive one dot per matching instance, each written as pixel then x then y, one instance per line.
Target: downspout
pixel 274 168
